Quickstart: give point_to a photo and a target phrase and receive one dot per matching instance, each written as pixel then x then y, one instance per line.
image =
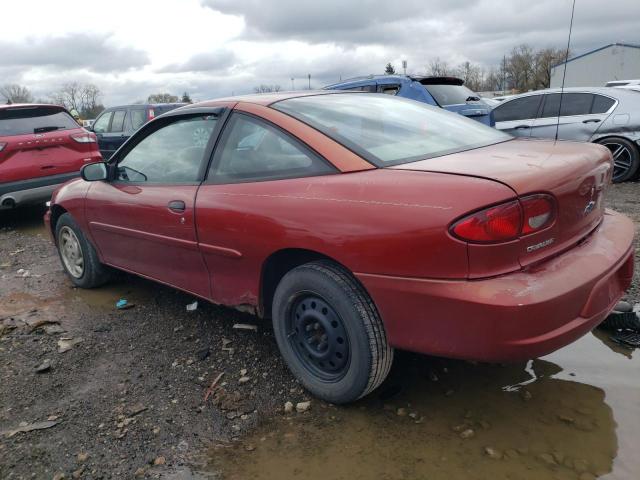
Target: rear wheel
pixel 626 158
pixel 78 256
pixel 329 332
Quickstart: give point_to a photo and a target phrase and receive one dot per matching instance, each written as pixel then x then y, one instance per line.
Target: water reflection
pixel 439 419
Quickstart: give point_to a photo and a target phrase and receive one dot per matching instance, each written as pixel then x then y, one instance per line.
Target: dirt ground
pixel 127 397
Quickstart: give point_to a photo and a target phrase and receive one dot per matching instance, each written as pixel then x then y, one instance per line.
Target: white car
pixel 622 83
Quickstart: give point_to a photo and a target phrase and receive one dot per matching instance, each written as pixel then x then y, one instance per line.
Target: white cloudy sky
pixel 212 48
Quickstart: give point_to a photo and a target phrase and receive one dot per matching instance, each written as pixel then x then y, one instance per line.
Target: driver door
pixel 142 220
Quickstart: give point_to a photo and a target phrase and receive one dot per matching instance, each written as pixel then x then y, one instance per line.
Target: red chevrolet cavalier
pixel 358 223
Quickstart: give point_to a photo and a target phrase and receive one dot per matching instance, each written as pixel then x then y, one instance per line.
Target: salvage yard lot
pixel 127 397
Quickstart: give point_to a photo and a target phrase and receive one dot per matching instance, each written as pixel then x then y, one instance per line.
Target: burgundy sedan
pixel 359 223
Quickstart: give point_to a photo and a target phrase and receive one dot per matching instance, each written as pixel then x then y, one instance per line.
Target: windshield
pixel 447 95
pixel 390 130
pixel 25 120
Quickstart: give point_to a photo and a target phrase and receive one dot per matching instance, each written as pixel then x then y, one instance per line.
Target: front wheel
pixel 329 332
pixel 626 158
pixel 78 256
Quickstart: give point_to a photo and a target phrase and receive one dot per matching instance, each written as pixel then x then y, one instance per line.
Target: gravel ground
pixel 128 399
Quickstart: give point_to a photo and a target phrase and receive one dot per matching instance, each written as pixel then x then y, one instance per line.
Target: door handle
pixel 521 127
pixel 177 206
pixel 591 120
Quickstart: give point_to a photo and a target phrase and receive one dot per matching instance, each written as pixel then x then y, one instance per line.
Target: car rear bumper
pixel 517 316
pixel 31 191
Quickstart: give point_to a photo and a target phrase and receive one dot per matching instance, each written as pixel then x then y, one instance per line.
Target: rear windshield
pixel 390 130
pixel 447 95
pixel 25 120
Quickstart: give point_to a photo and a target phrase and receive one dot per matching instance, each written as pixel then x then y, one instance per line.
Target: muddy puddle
pixel 27 220
pixel 572 415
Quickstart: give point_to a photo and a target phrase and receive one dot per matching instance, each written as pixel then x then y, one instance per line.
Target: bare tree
pixel 267 88
pixel 543 61
pixel 162 98
pixel 14 93
pixel 389 69
pixel 83 98
pixel 438 68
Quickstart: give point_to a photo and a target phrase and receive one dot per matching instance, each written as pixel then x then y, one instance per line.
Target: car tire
pixel 79 258
pixel 627 163
pixel 329 332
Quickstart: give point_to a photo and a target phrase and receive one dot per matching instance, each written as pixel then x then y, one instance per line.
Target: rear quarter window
pixel 23 121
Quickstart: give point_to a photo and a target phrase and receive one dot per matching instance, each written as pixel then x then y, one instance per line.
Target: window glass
pixel 25 120
pixel 390 130
pixel 446 94
pixel 601 104
pixel 576 104
pixel 101 125
pixel 253 150
pixel 389 89
pixel 117 124
pixel 172 154
pixel 138 117
pixel 519 109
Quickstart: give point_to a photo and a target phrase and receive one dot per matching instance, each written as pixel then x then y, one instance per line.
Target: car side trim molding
pixel 151 237
pixel 221 251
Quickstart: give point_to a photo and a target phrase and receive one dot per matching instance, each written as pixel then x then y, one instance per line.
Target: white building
pixel 617 61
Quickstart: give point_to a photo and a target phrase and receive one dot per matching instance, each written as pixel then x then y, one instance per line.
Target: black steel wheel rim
pixel 318 337
pixel 622 158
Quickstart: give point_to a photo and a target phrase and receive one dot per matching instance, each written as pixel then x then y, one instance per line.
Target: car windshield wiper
pixel 46 129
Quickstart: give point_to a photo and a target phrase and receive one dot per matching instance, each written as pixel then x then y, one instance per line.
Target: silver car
pixel 609 116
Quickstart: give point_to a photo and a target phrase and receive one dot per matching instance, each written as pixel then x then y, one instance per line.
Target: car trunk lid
pixel 576 175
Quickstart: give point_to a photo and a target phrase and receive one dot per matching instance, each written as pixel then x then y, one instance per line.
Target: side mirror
pixel 94 172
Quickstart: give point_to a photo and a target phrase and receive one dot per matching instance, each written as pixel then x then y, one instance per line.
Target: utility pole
pixel 309 75
pixel 504 74
pixel 404 66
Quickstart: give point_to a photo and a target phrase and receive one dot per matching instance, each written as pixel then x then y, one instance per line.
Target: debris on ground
pixel 67 343
pixel 303 406
pixel 45 366
pixel 192 306
pixel 288 407
pixel 212 386
pixel 625 324
pixel 28 427
pixel 124 304
pixel 245 326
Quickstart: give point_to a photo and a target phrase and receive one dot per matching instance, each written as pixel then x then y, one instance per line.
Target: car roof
pixel 30 105
pixel 423 79
pixel 608 91
pixel 264 98
pixel 132 105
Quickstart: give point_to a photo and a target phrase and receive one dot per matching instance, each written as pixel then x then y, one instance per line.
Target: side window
pixel 389 89
pixel 101 125
pixel 519 109
pixel 138 118
pixel 171 154
pixel 361 88
pixel 602 104
pixel 253 150
pixel 117 124
pixel 576 104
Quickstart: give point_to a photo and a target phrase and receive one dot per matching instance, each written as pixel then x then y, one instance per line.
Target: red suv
pixel 41 147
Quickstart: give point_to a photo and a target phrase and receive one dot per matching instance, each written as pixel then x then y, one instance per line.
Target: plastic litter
pixel 192 306
pixel 123 304
pixel 245 326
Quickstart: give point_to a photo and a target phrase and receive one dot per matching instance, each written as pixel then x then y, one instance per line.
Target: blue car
pixel 445 92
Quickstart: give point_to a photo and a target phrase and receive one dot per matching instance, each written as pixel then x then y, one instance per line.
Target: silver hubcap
pixel 622 158
pixel 71 252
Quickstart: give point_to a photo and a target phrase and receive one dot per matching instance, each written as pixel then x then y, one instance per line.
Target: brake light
pixel 507 221
pixel 84 137
pixel 2 145
pixel 151 114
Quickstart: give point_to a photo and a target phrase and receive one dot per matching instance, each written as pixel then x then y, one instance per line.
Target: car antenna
pixel 564 73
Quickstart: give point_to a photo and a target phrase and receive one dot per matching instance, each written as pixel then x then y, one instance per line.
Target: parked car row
pixel 359 224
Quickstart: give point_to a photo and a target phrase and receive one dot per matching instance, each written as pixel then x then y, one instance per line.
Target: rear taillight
pixel 507 221
pixel 150 114
pixel 84 137
pixel 538 213
pixel 2 145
